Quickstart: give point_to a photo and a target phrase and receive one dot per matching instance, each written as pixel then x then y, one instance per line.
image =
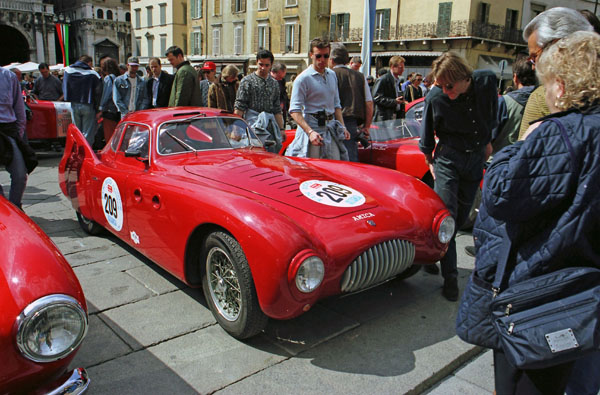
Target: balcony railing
pixel 26 6
pixel 461 28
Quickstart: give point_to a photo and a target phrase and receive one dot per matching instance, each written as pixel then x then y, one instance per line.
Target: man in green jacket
pixel 185 90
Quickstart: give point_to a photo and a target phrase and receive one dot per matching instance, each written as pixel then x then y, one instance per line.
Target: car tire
pixel 468 225
pixel 411 271
pixel 229 288
pixel 89 226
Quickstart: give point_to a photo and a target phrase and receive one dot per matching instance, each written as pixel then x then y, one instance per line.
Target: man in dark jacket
pixel 158 86
pixel 461 111
pixel 185 90
pixel 82 87
pixel 387 94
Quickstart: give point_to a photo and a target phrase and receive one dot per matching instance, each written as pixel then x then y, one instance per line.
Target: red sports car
pixel 48 123
pixel 43 318
pixel 265 235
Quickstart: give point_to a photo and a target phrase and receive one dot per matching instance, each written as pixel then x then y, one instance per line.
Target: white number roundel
pixel 331 194
pixel 111 203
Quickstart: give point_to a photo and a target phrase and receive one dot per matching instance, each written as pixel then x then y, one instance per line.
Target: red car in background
pixel 43 318
pixel 265 235
pixel 48 123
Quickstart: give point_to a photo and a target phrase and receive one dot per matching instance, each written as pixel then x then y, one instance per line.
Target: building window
pixel 382 24
pixel 511 19
pixel 483 16
pixel 138 46
pixel 339 27
pixel 109 15
pixel 217 7
pixel 150 42
pixel 262 38
pixel 149 16
pixel 290 41
pixel 216 41
pixel 163 44
pixel 537 9
pixel 291 3
pixel 138 18
pixel 196 43
pixel 163 14
pixel 185 43
pixel 237 39
pixel 127 17
pixel 238 5
pixel 196 9
pixel 184 12
pixel 100 14
pixel 263 5
pixel 444 19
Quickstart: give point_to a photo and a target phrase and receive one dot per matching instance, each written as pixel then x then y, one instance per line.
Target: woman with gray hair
pixel 546 28
pixel 543 194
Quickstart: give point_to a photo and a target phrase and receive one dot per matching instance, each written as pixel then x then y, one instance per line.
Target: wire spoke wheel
pixel 224 285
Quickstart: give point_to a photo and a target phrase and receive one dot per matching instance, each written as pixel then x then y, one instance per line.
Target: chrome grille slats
pixel 377 264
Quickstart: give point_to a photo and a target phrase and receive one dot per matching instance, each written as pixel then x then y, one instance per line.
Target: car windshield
pixel 202 134
pixel 394 129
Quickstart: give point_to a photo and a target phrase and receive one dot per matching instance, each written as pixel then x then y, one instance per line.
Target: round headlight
pixel 446 230
pixel 51 328
pixel 310 274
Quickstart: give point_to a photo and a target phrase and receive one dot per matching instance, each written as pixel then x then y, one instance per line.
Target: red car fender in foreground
pixel 36 278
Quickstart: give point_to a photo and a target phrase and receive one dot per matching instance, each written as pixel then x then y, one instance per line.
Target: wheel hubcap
pixel 223 284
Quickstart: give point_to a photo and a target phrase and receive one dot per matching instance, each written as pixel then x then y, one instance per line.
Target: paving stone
pixel 84 243
pixel 156 279
pixel 111 290
pixel 395 351
pixel 200 362
pixel 480 371
pixel 50 225
pixel 308 330
pixel 109 266
pixel 160 318
pixel 96 255
pixel 101 344
pixel 456 385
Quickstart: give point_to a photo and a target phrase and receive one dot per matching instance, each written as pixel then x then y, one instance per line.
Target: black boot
pixel 450 289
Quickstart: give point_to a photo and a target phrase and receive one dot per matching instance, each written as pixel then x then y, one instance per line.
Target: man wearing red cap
pixel 185 90
pixel 209 70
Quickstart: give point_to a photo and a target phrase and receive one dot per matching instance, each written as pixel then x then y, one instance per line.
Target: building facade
pixel 485 33
pixel 533 8
pixel 28 32
pixel 158 25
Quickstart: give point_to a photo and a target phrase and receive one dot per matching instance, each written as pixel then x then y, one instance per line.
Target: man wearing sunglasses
pixel 461 111
pixel 315 106
pixel 543 31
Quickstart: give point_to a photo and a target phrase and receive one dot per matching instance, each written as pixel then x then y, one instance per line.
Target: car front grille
pixel 379 263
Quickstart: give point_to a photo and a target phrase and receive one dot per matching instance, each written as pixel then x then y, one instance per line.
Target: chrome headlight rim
pixel 310 259
pixel 33 311
pixel 444 236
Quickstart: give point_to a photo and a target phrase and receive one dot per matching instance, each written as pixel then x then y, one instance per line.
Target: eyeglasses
pixel 419 79
pixel 449 87
pixel 319 56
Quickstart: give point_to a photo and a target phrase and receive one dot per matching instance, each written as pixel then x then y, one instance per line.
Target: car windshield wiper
pixel 180 142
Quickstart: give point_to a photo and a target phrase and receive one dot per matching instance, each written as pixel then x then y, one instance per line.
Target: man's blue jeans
pixel 18 175
pixel 457 177
pixel 84 118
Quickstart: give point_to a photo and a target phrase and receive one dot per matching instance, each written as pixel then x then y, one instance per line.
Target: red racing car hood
pixel 290 181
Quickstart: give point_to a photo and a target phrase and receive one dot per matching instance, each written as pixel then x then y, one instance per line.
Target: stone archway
pixel 15 46
pixel 106 48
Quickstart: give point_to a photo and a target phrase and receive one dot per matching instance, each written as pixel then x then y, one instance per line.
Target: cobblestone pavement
pixel 151 334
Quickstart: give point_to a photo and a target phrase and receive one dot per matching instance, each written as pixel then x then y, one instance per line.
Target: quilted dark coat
pixel 548 203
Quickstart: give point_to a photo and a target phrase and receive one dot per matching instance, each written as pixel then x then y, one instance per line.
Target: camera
pixel 321 117
pixel 360 138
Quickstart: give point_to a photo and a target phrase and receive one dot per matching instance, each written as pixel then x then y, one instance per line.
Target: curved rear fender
pixel 78 158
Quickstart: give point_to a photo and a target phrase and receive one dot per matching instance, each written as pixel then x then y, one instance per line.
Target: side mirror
pixel 133 153
pixel 269 143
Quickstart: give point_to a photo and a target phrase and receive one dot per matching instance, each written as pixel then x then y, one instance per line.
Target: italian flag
pixel 62 31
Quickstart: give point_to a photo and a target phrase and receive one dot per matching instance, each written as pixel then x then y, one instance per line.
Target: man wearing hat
pixel 129 89
pixel 209 70
pixel 185 90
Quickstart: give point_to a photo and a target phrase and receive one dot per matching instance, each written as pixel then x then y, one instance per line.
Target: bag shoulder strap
pixel 502 261
pixel 566 139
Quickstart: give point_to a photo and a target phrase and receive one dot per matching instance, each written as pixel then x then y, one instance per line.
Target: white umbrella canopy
pixel 28 67
pixel 12 65
pixel 57 67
